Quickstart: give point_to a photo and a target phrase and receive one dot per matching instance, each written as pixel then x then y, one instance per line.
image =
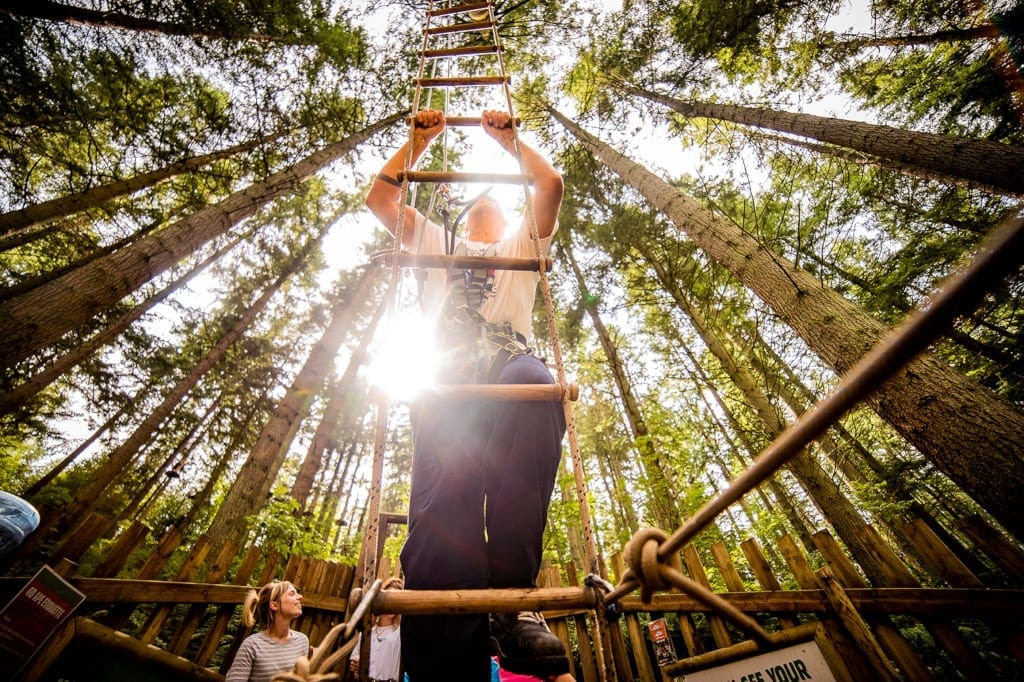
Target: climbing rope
pixel 336 645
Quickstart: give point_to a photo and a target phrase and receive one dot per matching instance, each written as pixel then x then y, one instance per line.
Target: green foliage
pixel 955 89
pixel 278 526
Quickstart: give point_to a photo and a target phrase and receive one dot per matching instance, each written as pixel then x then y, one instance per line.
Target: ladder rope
pixel 602 641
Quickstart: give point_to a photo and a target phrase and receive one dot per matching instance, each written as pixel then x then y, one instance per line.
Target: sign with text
pixel 31 617
pixel 792 664
pixel 664 649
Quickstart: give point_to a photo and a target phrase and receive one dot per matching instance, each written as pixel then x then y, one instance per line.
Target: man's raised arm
pixel 386 192
pixel 547 182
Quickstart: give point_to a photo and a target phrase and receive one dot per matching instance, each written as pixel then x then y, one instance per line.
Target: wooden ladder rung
pixel 412 260
pixel 462 27
pixel 505 392
pixel 461 600
pixel 456 176
pixel 466 81
pixel 458 9
pixel 461 51
pixel 466 121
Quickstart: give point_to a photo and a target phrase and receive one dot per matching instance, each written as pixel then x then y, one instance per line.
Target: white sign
pixel 792 664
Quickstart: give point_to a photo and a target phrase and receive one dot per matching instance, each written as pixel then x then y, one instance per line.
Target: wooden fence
pixel 956 614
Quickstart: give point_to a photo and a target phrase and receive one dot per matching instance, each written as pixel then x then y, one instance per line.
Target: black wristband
pixel 388 179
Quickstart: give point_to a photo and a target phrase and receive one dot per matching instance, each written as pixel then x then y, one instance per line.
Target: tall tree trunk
pixel 952 35
pixel 30 283
pixel 659 474
pixel 996 353
pixel 860 158
pixel 41 316
pixel 786 502
pixel 204 498
pixel 329 420
pixel 60 466
pixel 55 11
pixel 23 237
pixel 826 494
pixel 18 396
pixel 258 473
pixel 990 164
pixel 954 422
pixel 99 195
pixel 329 512
pixel 609 462
pixel 154 486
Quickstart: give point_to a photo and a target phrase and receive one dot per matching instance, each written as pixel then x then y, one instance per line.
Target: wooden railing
pixel 189 623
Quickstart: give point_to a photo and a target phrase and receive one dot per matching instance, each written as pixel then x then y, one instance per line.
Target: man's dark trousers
pixel 502 456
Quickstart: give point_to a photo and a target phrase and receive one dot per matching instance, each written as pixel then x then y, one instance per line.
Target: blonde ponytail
pixel 249 608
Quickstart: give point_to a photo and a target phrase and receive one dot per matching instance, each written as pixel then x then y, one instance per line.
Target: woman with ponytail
pixel 276 647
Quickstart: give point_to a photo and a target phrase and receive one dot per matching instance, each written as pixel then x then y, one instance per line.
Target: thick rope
pixel 329 654
pixel 647 568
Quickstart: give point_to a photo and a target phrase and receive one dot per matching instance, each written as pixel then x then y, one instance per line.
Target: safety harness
pixel 477 349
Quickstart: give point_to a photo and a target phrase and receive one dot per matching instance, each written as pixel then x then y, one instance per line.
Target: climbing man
pixel 483 472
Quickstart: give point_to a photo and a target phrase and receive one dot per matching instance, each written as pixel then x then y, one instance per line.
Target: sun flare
pixel 404 361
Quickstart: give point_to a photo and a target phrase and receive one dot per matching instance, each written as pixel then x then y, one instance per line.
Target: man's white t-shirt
pixel 513 293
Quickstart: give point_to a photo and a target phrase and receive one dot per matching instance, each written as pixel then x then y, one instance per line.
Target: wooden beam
pixel 105 638
pixel 856 626
pixel 956 602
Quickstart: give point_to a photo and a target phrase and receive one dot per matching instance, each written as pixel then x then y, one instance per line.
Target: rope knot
pixel 641 557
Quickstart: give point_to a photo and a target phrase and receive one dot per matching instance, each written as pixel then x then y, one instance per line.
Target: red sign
pixel 664 649
pixel 32 616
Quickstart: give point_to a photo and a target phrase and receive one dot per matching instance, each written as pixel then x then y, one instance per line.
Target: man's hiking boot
pixel 526 646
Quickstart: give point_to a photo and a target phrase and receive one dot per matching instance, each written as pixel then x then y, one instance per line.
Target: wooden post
pixel 187 571
pixel 119 553
pixel 765 578
pixel 855 625
pixel 896 645
pixel 1006 555
pixel 550 577
pixel 939 556
pixel 170 541
pixel 588 662
pixel 224 613
pixel 619 653
pixel 719 631
pixel 218 571
pixel 837 648
pixel 640 655
pixel 83 536
pixel 897 574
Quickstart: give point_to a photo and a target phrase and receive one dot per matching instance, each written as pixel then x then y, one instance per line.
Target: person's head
pixel 392 583
pixel 275 600
pixel 485 221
